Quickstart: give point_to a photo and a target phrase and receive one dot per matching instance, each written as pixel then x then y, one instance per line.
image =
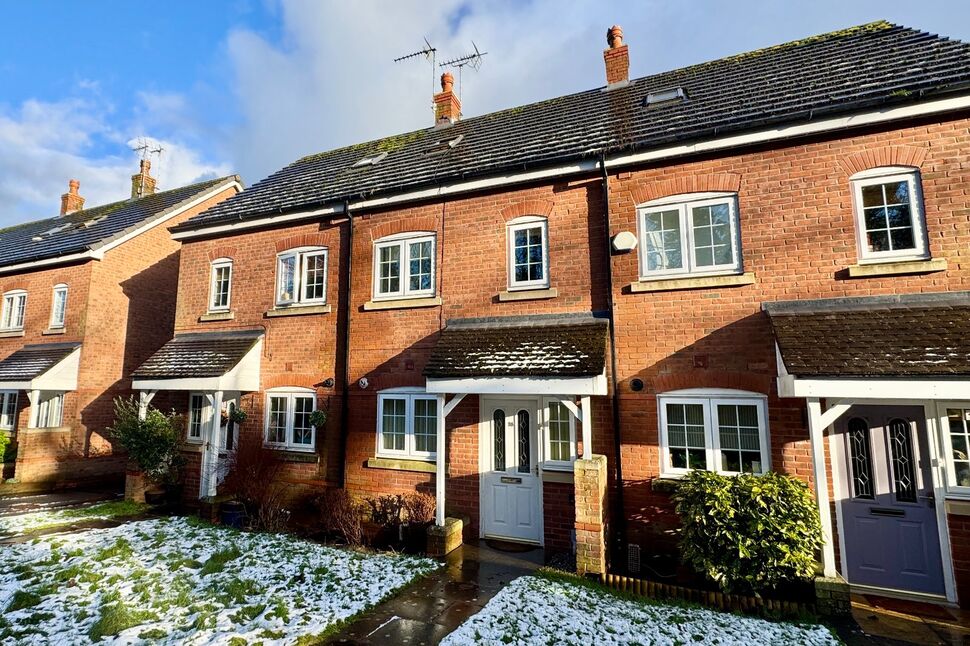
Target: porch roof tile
pixel 198 354
pixel 31 361
pixel 571 345
pixel 921 335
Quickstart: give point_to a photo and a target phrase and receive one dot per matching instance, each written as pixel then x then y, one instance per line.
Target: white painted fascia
pixel 595 385
pixel 883 389
pixel 591 165
pixel 243 377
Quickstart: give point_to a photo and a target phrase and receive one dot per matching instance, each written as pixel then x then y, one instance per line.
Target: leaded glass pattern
pixel 560 440
pixel 527 250
pixel 522 427
pixel 739 436
pixel 394 424
pixel 302 428
pixel 425 425
pixel 685 436
pixel 498 441
pixel 887 214
pixel 276 430
pixel 712 235
pixel 860 458
pixel 959 424
pixel 662 234
pixel 902 460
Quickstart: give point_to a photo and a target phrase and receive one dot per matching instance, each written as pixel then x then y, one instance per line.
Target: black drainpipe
pixel 619 518
pixel 347 262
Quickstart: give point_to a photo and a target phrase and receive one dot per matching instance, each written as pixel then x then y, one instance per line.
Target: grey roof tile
pixel 31 361
pixel 198 354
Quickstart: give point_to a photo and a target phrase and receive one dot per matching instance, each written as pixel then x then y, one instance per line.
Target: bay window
pixel 404 266
pixel 301 277
pixel 407 424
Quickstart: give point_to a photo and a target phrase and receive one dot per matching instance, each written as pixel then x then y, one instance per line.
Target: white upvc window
pixel 890 224
pixel 696 234
pixel 404 266
pixel 58 307
pixel 301 276
pixel 955 424
pixel 560 436
pixel 528 252
pixel 50 409
pixel 8 410
pixel 715 430
pixel 287 419
pixel 14 308
pixel 220 285
pixel 198 418
pixel 407 424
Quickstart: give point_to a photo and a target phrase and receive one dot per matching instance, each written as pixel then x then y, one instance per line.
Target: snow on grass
pixel 175 581
pixel 550 609
pixel 36 520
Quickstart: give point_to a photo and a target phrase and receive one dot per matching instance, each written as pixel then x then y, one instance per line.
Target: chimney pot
pixel 447 82
pixel 71 201
pixel 447 107
pixel 73 186
pixel 142 183
pixel 617 59
pixel 614 36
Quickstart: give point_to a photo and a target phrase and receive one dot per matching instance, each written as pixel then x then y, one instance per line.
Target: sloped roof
pixel 198 354
pixel 874 65
pixel 520 346
pixel 92 228
pixel 31 361
pixel 915 335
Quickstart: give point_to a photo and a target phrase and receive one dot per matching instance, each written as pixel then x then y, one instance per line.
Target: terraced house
pixel 548 314
pixel 87 296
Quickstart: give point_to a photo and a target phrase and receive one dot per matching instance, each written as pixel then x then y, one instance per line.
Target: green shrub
pixel 4 443
pixel 748 532
pixel 152 443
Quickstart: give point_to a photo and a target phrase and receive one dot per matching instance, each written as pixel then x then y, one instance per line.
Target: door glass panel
pixel 522 428
pixel 860 457
pixel 498 439
pixel 901 458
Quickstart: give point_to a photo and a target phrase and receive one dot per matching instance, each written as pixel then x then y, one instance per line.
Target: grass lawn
pixel 175 581
pixel 37 520
pixel 553 609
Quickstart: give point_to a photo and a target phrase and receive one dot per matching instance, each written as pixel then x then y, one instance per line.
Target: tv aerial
pixel 474 61
pixel 429 52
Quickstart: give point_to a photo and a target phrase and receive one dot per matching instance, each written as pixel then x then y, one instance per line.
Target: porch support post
pixel 816 431
pixel 34 397
pixel 144 399
pixel 587 420
pixel 210 450
pixel 439 471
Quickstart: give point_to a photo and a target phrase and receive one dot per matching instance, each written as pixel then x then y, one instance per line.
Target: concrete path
pixel 24 503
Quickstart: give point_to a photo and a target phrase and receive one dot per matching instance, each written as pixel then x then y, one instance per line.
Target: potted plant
pixel 318 418
pixel 153 445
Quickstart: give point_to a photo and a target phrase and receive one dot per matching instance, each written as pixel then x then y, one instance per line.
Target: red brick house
pixel 548 314
pixel 87 296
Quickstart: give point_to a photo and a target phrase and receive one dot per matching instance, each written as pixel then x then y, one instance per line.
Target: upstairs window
pixel 301 277
pixel 14 306
pixel 404 266
pixel 889 214
pixel 407 425
pixel 528 253
pixel 220 285
pixel 288 419
pixel 694 234
pixel 58 307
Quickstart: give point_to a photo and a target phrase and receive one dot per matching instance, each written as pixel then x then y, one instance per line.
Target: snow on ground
pixel 175 581
pixel 540 610
pixel 35 520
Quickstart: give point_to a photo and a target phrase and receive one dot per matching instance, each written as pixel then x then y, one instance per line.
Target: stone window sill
pixel 958 507
pixel 397 464
pixel 9 334
pixel 300 457
pixel 402 303
pixel 700 282
pixel 53 331
pixel 528 295
pixel 46 429
pixel 897 268
pixel 217 316
pixel 298 310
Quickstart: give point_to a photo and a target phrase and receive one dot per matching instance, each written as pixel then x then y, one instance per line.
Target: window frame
pixel 710 399
pixel 44 409
pixel 214 267
pixel 300 256
pixel 8 298
pixel 54 324
pixel 204 418
pixel 5 397
pixel 404 241
pixel 952 489
pixel 548 463
pixel 525 223
pixel 683 204
pixel 291 394
pixel 409 452
pixel 884 175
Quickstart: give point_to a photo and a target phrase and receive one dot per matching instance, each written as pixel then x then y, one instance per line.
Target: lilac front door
pixel 888 509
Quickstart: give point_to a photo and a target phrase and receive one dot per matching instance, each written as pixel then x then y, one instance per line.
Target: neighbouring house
pixel 548 314
pixel 87 297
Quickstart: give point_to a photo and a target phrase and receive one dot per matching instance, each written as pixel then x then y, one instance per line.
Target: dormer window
pixel 14 307
pixel 890 223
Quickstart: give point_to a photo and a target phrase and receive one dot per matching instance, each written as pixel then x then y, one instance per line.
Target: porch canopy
pixel 868 350
pixel 43 366
pixel 204 361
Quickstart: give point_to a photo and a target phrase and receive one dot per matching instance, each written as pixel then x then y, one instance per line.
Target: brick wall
pixel 960 549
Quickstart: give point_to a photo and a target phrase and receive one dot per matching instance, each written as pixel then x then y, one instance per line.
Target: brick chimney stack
pixel 142 183
pixel 447 107
pixel 71 201
pixel 617 59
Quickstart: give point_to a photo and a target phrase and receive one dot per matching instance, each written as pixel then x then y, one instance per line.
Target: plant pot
pixel 416 537
pixel 156 497
pixel 135 485
pixel 232 513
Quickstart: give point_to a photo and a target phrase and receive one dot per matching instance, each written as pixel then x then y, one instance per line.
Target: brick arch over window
pixel 749 382
pixel 293 380
pixel 883 156
pixel 727 182
pixel 222 251
pixel 527 207
pixel 405 225
pixel 301 240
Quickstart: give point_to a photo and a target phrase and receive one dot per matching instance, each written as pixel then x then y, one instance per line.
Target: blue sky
pixel 248 86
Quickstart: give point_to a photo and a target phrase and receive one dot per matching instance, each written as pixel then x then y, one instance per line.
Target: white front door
pixel 511 488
